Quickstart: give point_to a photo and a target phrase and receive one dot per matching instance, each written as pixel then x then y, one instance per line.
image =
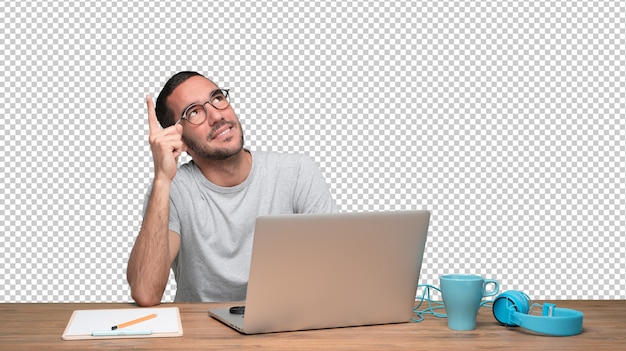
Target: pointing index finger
pixel 153 122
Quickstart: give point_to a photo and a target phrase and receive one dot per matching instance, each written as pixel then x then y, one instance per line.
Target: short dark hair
pixel 165 115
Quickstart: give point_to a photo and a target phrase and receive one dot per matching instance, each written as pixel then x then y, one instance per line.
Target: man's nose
pixel 213 115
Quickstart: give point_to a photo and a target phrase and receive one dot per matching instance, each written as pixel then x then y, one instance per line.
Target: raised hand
pixel 166 145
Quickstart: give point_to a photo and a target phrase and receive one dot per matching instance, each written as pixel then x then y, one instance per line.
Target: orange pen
pixel 134 321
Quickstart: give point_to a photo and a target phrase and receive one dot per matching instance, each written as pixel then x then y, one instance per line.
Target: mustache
pixel 217 126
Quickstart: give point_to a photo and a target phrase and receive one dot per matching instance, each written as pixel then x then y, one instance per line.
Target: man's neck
pixel 230 172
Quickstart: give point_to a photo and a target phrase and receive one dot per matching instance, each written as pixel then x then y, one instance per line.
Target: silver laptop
pixel 315 271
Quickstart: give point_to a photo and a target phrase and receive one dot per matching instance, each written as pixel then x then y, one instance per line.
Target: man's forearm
pixel 149 262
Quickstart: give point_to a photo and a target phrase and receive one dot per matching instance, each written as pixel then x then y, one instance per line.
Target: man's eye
pixel 193 112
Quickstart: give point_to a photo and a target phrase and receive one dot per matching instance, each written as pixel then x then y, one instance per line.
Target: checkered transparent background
pixel 505 119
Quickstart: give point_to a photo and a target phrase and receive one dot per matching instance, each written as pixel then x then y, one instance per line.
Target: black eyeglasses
pixel 196 113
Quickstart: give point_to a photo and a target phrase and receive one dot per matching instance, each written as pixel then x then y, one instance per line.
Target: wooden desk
pixel 39 326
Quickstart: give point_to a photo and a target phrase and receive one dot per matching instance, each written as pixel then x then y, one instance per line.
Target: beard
pixel 215 153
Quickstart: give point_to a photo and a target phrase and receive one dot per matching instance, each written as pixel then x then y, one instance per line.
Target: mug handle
pixel 496 287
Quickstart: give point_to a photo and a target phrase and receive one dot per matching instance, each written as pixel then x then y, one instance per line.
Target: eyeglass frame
pixel 225 92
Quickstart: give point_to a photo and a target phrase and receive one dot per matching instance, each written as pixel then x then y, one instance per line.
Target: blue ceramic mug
pixel 462 294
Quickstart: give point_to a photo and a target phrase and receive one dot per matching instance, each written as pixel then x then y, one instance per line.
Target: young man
pixel 199 218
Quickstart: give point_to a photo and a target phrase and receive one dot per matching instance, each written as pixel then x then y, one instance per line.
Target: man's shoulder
pixel 187 167
pixel 185 172
pixel 280 158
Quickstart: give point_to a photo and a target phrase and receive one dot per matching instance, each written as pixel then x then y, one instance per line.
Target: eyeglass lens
pixel 197 113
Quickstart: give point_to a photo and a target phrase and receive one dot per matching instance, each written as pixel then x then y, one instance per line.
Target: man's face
pixel 220 136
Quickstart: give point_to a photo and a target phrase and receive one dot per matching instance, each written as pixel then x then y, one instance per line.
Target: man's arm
pixel 156 246
pixel 312 193
pixel 154 251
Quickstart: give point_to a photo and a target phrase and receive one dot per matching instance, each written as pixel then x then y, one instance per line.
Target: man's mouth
pixel 221 130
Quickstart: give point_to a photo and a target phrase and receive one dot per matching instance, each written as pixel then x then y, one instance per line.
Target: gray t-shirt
pixel 216 224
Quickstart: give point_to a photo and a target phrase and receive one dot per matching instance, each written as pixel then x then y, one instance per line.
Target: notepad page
pixel 85 322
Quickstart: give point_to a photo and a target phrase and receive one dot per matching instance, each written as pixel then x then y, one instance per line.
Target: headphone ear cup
pixel 508 303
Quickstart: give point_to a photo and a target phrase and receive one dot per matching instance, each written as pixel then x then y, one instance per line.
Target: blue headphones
pixel 511 309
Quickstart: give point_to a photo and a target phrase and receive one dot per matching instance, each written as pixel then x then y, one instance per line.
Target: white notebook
pixel 97 324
